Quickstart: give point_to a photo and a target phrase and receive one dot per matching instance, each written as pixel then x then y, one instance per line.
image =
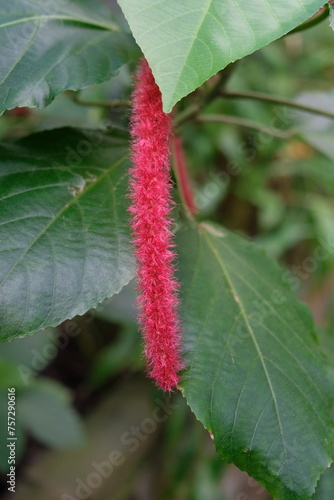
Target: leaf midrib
pixel 61 17
pixel 63 210
pixel 205 12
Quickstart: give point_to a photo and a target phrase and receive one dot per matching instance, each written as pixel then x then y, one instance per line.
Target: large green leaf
pixel 49 47
pixel 254 376
pixel 63 227
pixel 46 411
pixel 188 41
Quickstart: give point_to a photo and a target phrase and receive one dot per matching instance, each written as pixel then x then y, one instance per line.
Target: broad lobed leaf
pixel 187 42
pixel 254 373
pixel 49 47
pixel 64 237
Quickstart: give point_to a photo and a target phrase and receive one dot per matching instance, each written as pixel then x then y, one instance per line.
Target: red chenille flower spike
pixel 151 229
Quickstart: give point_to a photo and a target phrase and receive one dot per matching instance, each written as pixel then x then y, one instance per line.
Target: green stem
pixel 242 122
pixel 217 87
pixel 195 108
pixel 312 22
pixel 187 114
pixel 100 104
pixel 276 100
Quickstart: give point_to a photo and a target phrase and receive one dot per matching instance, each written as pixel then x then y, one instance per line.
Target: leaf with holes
pixel 63 227
pixel 254 375
pixel 187 42
pixel 49 47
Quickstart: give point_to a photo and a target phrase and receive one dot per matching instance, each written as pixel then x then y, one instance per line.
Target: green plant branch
pixel 100 104
pixel 217 87
pixel 274 99
pixel 186 115
pixel 214 92
pixel 312 22
pixel 242 122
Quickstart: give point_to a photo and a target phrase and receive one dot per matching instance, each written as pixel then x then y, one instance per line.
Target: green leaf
pixel 187 42
pixel 46 412
pixel 64 237
pixel 49 47
pixel 254 374
pixel 318 168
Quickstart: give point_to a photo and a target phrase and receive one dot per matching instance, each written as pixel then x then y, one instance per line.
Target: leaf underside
pixel 187 42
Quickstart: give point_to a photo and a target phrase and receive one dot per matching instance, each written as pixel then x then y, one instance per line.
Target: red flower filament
pixel 183 178
pixel 151 228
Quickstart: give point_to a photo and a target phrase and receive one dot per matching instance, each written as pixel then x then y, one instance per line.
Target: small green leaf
pixel 49 47
pixel 254 374
pixel 46 412
pixel 187 42
pixel 64 236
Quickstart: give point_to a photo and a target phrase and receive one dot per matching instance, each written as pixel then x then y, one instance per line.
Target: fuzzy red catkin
pixel 151 229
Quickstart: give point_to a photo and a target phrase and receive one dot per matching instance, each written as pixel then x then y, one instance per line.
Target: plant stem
pixel 216 89
pixel 274 99
pixel 312 22
pixel 242 122
pixel 195 108
pixel 187 114
pixel 100 104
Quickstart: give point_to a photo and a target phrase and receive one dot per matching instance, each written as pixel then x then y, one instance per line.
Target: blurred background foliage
pixel 82 386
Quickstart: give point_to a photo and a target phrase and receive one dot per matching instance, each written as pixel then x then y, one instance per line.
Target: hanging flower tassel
pixel 151 228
